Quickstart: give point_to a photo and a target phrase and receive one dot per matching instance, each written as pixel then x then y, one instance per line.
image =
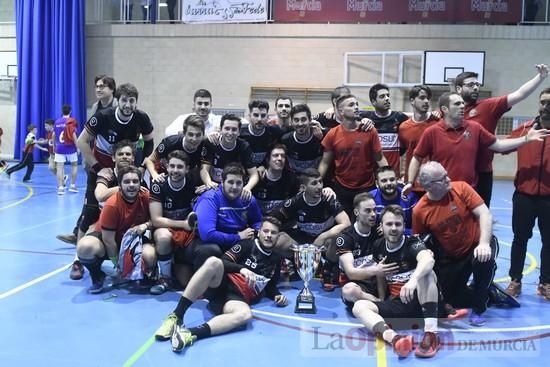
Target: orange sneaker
pixel 513 289
pixel 402 345
pixel 543 290
pixel 429 345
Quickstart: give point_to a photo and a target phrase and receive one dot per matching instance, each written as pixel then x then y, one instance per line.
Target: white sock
pixel 430 324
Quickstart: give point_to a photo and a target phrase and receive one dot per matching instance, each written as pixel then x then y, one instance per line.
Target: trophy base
pixel 305 305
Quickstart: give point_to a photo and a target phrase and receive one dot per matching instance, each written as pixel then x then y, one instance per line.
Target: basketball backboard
pixel 441 67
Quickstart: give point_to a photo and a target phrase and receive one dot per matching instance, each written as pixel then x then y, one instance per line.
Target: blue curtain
pixel 50 63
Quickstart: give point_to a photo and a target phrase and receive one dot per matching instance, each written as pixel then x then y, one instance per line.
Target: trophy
pixel 306 258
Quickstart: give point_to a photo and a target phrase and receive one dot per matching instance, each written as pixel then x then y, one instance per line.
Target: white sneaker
pixel 60 190
pixel 73 188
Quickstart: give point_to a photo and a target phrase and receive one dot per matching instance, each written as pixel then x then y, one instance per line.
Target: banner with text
pixel 397 11
pixel 224 11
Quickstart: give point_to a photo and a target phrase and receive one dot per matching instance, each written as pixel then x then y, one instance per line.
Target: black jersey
pixel 109 130
pixel 176 203
pixel 270 195
pixel 260 144
pixel 326 123
pixel 175 142
pixel 359 245
pixel 217 157
pixel 302 154
pixel 251 255
pixel 404 257
pixel 311 220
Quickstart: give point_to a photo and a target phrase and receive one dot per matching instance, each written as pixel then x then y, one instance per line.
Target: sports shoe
pixel 514 288
pixel 402 345
pixel 97 284
pixel 67 238
pixel 543 289
pixel 192 220
pixel 162 286
pixel 499 298
pixel 60 190
pixel 476 319
pixel 77 271
pixel 326 281
pixel 457 314
pixel 429 345
pixel 182 338
pixel 165 331
pixel 73 188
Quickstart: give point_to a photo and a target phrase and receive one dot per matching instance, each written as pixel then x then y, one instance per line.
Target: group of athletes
pixel 226 199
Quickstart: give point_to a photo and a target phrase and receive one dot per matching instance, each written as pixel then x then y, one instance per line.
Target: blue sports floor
pixel 46 319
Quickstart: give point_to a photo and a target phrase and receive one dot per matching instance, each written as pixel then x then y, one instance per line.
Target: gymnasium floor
pixel 46 319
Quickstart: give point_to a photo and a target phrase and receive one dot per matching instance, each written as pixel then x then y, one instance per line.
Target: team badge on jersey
pixel 155 188
pixel 467 135
pixel 236 249
pixel 473 112
pixel 339 241
pixel 161 148
pixel 93 121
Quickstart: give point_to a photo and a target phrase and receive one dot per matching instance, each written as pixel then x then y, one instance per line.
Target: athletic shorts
pixel 219 296
pixel 62 158
pixel 365 287
pixel 394 308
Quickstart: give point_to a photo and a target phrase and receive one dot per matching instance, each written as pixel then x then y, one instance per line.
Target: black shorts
pixel 394 308
pixel 219 296
pixel 366 287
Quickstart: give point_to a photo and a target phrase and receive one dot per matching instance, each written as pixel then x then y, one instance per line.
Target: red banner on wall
pixel 397 11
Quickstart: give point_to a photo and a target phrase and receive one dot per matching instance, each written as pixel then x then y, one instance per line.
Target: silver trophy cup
pixel 306 258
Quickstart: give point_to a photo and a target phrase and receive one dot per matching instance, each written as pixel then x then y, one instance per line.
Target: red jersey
pixel 450 220
pixel 487 112
pixel 533 172
pixel 410 132
pixel 456 149
pixel 354 156
pixel 119 215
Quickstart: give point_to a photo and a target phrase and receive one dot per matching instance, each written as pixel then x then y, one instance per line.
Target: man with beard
pixel 355 154
pixel 283 105
pixel 412 285
pixel 531 201
pixel 191 142
pixel 488 112
pixel 454 137
pixel 314 218
pixel 172 218
pixel 329 118
pixel 410 131
pixel 304 148
pixel 386 122
pixel 259 135
pixel 389 192
pixel 244 274
pixel 127 210
pixel 107 186
pixel 229 149
pixel 202 105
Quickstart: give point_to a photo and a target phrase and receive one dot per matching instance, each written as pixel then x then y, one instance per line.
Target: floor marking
pixel 501 208
pixel 380 346
pixel 505 226
pixel 27 197
pixel 6 234
pixel 130 361
pixel 34 281
pixel 532 265
pixel 352 324
pixel 35 252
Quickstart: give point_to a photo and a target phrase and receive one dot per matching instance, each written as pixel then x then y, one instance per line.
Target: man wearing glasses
pixel 488 112
pixel 455 142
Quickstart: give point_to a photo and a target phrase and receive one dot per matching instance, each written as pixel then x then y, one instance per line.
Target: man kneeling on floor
pixel 242 276
pixel 406 265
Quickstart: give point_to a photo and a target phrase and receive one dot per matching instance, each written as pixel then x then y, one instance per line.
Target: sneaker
pixel 457 314
pixel 402 345
pixel 165 331
pixel 182 338
pixel 543 289
pixel 67 238
pixel 476 319
pixel 326 282
pixel 162 286
pixel 499 298
pixel 192 220
pixel 73 188
pixel 514 288
pixel 60 190
pixel 97 284
pixel 429 345
pixel 77 271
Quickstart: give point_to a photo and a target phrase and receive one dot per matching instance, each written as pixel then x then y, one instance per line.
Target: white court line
pixel 500 208
pixel 505 226
pixel 6 234
pixel 34 281
pixel 339 323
